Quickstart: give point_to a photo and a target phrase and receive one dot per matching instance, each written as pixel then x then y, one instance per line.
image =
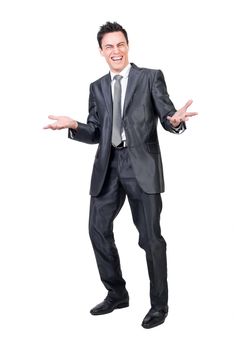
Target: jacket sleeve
pixel 89 132
pixel 163 104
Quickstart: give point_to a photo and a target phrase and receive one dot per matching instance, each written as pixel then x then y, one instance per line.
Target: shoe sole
pixel 120 306
pixel 153 325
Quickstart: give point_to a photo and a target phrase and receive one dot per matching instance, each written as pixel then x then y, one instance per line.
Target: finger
pixel 50 126
pixel 191 114
pixel 172 120
pixel 187 117
pixel 175 119
pixel 187 104
pixel 52 117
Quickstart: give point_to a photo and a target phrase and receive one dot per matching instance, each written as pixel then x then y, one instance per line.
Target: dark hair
pixel 109 27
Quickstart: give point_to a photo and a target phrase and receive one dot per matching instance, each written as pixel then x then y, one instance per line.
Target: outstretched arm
pixel 84 132
pixel 172 120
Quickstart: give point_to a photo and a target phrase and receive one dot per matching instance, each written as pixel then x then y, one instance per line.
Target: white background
pixel 48 275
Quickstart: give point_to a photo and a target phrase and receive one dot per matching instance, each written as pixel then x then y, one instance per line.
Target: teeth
pixel 116 58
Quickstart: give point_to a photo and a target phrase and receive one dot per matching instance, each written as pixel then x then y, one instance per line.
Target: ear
pixel 101 52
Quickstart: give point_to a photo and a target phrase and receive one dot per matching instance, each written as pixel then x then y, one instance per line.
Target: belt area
pixel 122 145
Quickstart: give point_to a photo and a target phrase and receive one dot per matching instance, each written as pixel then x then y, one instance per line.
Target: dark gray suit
pixel 140 177
pixel 146 100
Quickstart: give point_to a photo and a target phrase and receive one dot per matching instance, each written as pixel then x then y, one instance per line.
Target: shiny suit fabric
pixel 146 102
pixel 119 183
pixel 135 172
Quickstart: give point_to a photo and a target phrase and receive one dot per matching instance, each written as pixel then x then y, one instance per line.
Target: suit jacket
pixel 146 101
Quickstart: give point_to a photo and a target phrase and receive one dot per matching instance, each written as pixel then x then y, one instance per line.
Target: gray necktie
pixel 117 115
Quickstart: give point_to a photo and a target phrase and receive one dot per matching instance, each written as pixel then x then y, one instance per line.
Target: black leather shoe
pixel 154 318
pixel 108 305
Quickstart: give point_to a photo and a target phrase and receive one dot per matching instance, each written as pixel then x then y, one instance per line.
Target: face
pixel 115 50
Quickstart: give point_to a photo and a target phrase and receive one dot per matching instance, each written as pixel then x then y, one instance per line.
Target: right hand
pixel 61 122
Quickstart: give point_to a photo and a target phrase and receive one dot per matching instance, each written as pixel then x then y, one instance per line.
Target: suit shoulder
pixel 151 71
pixel 148 71
pixel 99 80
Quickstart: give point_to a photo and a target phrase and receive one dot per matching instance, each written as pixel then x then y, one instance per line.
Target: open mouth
pixel 117 58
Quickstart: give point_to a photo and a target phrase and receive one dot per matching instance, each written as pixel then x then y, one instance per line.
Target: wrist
pixel 74 124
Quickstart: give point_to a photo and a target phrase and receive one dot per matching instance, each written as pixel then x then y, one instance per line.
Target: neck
pixel 119 70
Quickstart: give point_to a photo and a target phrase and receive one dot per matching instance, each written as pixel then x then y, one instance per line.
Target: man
pixel 124 108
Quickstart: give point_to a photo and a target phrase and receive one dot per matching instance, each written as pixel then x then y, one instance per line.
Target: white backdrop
pixel 48 275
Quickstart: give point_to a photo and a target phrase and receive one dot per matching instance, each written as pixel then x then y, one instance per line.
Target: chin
pixel 118 68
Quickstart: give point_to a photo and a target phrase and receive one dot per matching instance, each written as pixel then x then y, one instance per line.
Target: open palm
pixel 181 115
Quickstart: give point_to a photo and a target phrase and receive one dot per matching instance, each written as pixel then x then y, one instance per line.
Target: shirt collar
pixel 124 72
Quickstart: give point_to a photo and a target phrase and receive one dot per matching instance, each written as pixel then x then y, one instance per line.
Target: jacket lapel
pixel 106 89
pixel 132 83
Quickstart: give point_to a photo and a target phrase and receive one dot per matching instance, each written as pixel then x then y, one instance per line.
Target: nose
pixel 115 49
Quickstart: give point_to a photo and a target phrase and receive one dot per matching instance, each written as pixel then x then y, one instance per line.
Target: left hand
pixel 181 115
pixel 61 122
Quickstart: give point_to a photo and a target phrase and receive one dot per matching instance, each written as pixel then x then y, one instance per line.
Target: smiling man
pixel 124 108
pixel 114 47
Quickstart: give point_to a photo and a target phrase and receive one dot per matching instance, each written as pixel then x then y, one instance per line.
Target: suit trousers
pixel 120 182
